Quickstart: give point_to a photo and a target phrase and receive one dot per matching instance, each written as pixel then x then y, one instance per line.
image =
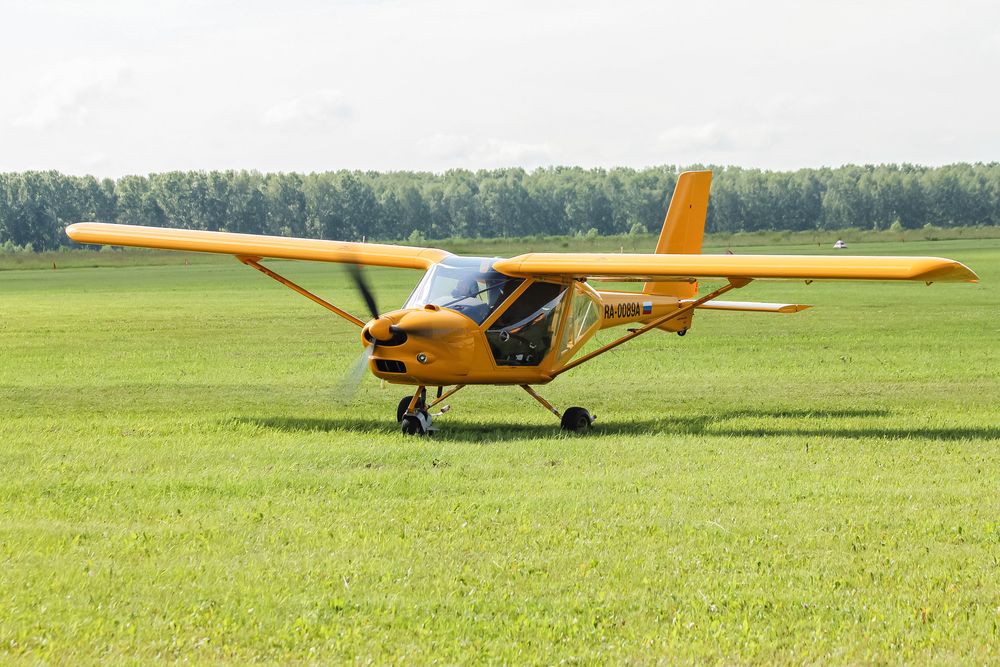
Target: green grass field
pixel 180 480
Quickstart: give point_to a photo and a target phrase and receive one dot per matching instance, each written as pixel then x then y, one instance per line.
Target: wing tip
pixel 76 230
pixel 94 233
pixel 946 270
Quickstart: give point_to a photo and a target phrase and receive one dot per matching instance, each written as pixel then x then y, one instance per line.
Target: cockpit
pixel 467 285
pixel 524 333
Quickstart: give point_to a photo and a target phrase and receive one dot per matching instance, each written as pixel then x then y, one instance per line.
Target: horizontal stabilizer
pixel 749 306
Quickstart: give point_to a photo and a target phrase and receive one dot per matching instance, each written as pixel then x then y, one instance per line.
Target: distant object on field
pixel 839 245
pixel 523 321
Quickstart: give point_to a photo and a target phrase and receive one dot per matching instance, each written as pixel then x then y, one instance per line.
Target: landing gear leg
pixel 574 419
pixel 404 405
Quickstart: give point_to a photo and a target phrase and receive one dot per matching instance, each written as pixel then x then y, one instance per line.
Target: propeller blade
pixel 362 285
pixel 348 386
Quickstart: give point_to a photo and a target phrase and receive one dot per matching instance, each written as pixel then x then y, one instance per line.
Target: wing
pixel 253 245
pixel 662 267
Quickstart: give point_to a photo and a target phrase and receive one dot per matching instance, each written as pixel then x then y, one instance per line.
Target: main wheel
pixel 405 403
pixel 576 419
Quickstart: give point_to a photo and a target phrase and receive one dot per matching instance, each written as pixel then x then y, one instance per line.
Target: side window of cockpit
pixel 522 335
pixel 580 320
pixel 531 300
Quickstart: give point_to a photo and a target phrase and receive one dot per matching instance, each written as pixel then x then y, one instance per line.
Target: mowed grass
pixel 181 480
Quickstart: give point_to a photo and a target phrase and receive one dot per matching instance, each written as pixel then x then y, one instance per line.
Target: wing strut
pixel 690 305
pixel 254 262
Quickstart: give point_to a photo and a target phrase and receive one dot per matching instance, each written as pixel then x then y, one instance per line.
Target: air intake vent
pixel 390 366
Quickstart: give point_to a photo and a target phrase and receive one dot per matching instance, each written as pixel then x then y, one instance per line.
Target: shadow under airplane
pixel 699 424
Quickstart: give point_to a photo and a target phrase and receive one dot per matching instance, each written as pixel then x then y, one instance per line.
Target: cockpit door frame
pixel 546 362
pixel 507 303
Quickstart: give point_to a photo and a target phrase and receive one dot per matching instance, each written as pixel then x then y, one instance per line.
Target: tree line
pixel 351 205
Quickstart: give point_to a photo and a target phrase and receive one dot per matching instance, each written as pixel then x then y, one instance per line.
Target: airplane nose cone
pixel 380 330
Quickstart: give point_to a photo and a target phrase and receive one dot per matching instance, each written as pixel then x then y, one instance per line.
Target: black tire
pixel 576 419
pixel 411 426
pixel 405 403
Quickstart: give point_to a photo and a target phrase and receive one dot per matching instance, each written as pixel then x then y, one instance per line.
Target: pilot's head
pixel 467 287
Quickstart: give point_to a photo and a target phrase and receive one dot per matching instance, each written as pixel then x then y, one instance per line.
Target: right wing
pixel 256 246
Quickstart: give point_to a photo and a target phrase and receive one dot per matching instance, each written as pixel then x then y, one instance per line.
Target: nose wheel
pixel 418 424
pixel 412 414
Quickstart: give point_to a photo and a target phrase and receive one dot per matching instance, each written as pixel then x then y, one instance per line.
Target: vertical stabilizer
pixel 683 228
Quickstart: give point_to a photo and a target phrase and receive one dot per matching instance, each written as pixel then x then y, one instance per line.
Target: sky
pixel 113 87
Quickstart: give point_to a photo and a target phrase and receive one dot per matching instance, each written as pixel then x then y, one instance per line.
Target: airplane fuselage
pixel 523 337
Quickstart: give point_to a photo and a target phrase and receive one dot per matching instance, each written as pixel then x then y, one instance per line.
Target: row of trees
pixel 348 205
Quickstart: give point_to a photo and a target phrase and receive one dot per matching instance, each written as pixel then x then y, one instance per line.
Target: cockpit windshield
pixel 467 285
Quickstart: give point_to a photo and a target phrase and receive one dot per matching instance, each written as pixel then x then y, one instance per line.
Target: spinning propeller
pixel 351 381
pixel 381 330
pixel 362 285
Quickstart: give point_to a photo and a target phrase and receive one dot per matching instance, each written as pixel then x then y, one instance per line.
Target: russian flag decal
pixel 647 307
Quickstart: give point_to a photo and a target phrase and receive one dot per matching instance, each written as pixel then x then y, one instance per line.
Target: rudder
pixel 683 228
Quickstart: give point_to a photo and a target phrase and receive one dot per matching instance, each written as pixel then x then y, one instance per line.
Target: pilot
pixel 466 288
pixel 467 300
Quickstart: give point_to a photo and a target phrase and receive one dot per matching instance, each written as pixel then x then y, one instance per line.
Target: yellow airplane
pixel 523 321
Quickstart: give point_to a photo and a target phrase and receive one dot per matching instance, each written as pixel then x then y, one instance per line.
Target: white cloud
pixel 686 138
pixel 316 109
pixel 73 93
pixel 784 105
pixel 464 150
pixel 990 45
pixel 710 140
pixel 97 161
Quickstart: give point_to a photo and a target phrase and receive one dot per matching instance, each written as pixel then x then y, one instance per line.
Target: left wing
pixel 663 267
pixel 256 246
